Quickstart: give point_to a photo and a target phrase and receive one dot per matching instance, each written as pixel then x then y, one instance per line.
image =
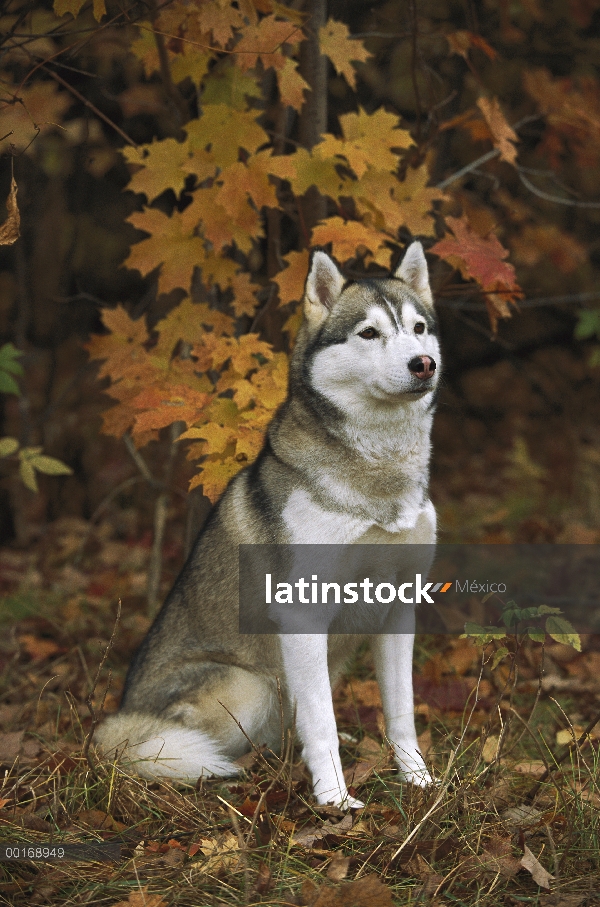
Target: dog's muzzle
pixel 422 367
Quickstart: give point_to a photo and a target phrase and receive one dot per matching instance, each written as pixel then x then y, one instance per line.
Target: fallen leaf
pixel 142 898
pixel 264 880
pixel 490 749
pixel 38 649
pixel 97 818
pixel 307 836
pixel 533 767
pixel 539 875
pixel 522 816
pixel 366 892
pixel 560 899
pixel 10 745
pixel 338 868
pixel 569 735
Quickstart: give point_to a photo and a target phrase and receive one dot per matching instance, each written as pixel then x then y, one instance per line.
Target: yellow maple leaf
pixel 312 169
pixel 291 85
pixel 374 197
pixel 182 323
pixel 172 245
pixel 263 42
pixel 370 138
pixel 216 437
pixel 217 268
pixel 144 48
pixel 337 44
pixel 161 167
pixel 99 9
pixel 227 84
pixel 249 441
pixel 215 475
pixel 415 201
pixel 62 7
pixel 225 130
pixel 192 63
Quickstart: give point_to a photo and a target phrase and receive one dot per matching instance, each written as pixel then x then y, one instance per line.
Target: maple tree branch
pixel 92 107
pixel 488 156
pixel 468 168
pixel 570 299
pixel 413 66
pixel 556 199
pixel 165 71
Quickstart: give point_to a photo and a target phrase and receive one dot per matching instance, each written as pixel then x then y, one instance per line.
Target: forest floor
pixel 516 818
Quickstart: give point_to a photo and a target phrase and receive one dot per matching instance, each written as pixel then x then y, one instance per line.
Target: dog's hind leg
pixel 201 734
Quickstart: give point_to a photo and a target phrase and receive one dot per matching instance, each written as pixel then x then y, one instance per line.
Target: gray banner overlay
pixel 93 852
pixel 369 589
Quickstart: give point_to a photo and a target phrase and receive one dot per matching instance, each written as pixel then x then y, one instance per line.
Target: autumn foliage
pixel 206 370
pixel 225 194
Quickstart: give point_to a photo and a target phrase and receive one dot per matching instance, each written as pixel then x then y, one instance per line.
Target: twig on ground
pixel 90 697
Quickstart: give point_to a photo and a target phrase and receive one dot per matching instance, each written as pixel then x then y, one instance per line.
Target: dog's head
pixel 371 341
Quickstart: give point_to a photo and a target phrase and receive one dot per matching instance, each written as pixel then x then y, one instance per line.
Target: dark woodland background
pixel 516 453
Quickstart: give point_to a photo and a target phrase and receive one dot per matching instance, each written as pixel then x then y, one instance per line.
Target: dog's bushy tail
pixel 153 749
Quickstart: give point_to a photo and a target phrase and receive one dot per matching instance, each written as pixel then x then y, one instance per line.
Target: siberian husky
pixel 345 460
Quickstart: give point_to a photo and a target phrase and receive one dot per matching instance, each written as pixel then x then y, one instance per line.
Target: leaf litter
pixel 490 831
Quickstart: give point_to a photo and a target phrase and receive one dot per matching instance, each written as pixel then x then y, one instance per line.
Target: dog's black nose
pixel 422 367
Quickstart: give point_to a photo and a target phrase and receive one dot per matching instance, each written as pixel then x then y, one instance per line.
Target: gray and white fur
pixel 345 460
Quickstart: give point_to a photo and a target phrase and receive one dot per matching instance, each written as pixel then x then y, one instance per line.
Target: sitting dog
pixel 345 461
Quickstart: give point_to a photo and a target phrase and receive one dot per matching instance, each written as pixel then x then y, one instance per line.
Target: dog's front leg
pixel 393 665
pixel 309 690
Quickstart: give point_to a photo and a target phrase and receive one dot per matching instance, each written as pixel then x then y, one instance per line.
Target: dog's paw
pixel 412 768
pixel 346 802
pixel 342 800
pixel 419 777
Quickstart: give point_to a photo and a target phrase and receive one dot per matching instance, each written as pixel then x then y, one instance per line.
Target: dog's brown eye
pixel 420 327
pixel 369 334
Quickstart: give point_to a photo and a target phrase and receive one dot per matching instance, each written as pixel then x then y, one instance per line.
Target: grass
pixel 260 839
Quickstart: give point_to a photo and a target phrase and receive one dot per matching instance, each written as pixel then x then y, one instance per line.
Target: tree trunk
pixel 313 119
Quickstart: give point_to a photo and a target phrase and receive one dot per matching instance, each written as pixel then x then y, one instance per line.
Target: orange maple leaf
pixel 291 85
pixel 348 238
pixel 461 43
pixel 122 346
pixel 503 134
pixel 483 260
pixel 291 281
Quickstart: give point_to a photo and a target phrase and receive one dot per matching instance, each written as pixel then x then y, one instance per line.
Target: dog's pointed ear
pixel 413 271
pixel 323 287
